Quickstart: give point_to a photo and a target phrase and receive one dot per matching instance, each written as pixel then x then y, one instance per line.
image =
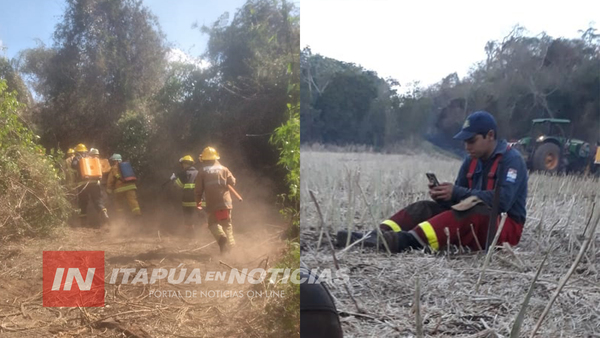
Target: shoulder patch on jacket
pixel 511 175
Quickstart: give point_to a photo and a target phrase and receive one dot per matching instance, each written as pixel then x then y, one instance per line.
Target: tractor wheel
pixel 547 158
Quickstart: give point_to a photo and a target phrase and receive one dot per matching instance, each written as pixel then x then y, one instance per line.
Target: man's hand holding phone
pixel 439 191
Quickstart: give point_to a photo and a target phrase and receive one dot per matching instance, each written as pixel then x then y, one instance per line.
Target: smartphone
pixel 432 179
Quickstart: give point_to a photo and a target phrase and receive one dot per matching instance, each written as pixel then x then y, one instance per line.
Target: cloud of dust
pixel 255 220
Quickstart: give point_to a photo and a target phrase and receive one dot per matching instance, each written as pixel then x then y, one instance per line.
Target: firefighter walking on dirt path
pixel 213 183
pixel 88 187
pixel 463 209
pixel 186 180
pixel 124 190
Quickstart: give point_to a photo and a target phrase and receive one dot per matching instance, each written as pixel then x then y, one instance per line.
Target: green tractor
pixel 549 149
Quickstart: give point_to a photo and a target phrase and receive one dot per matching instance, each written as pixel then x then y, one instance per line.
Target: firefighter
pixel 186 180
pixel 124 191
pixel 212 183
pixel 464 207
pixel 70 176
pixel 69 172
pixel 87 188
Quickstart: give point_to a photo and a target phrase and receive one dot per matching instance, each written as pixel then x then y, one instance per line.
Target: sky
pixel 427 40
pixel 24 21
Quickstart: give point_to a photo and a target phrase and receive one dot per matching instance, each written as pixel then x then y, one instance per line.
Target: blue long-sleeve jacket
pixel 511 174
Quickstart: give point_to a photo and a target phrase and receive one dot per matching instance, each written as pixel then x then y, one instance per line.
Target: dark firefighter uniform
pixel 185 180
pixel 87 189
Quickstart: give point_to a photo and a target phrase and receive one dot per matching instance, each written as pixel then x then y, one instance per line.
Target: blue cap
pixel 479 122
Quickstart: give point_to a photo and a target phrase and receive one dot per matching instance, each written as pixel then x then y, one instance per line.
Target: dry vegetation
pixel 130 310
pixel 559 211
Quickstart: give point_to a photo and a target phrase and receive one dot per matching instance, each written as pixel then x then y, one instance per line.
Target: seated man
pixel 464 207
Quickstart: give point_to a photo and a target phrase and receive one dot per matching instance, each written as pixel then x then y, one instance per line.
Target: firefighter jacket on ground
pixel 185 180
pixel 212 182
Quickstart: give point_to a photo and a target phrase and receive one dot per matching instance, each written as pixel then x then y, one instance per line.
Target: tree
pixel 14 82
pixel 522 78
pixel 108 57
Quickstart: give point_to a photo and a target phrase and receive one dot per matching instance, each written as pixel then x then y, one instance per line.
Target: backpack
pixel 90 168
pixel 127 174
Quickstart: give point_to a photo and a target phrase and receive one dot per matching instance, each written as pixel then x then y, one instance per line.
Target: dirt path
pixel 142 312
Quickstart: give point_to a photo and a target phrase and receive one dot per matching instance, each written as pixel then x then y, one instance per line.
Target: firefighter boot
pixel 341 238
pixel 83 222
pixel 371 242
pixel 400 241
pixel 105 216
pixel 223 245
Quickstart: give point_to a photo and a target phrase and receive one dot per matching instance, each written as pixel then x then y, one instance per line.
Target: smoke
pixel 445 124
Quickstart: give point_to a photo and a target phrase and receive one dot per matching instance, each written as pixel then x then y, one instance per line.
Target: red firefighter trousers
pixel 427 220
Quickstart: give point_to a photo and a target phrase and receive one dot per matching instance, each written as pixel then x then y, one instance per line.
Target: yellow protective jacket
pixel 70 173
pixel 114 182
pixel 212 181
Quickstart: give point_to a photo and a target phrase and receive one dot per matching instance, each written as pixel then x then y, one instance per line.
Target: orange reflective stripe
pixel 393 225
pixel 430 234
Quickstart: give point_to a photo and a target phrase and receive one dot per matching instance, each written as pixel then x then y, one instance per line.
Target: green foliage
pixel 32 201
pixel 346 103
pixel 133 142
pixel 108 57
pixel 283 318
pixel 287 140
pixel 522 78
pixel 14 81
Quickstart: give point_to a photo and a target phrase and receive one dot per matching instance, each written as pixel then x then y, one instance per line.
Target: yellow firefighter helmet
pixel 186 158
pixel 71 151
pixel 81 148
pixel 209 153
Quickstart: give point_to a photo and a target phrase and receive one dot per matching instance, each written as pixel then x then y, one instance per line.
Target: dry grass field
pixel 358 190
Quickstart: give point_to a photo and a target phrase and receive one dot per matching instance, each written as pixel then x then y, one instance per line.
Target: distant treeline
pixel 522 78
